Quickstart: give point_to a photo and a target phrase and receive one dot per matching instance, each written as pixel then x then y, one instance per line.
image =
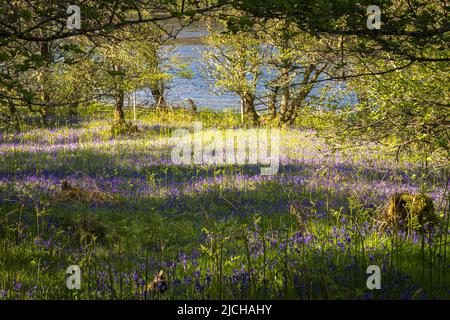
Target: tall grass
pixel 216 231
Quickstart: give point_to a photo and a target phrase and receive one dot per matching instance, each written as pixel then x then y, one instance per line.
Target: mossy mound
pixel 124 128
pixel 69 193
pixel 90 228
pixel 406 211
pixel 85 228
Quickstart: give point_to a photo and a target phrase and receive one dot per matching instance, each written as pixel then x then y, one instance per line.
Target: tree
pixel 32 32
pixel 410 28
pixel 398 72
pixel 295 62
pixel 56 81
pixel 130 64
pixel 408 110
pixel 273 63
pixel 235 63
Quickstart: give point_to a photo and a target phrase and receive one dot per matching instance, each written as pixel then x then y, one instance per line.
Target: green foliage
pixel 307 233
pixel 407 109
pixel 132 63
pixel 413 30
pixel 235 61
pixel 37 50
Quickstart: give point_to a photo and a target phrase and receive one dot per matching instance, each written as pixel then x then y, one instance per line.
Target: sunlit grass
pixel 217 231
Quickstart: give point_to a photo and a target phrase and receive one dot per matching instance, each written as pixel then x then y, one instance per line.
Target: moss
pixel 69 193
pixel 84 228
pixel 408 211
pixel 90 228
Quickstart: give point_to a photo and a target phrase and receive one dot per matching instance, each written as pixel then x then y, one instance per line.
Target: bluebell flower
pixel 198 286
pixel 176 282
pixel 3 293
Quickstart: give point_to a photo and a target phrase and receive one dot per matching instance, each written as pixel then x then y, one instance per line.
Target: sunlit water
pixel 199 88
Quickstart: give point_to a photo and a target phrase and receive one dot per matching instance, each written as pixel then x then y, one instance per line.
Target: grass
pixel 216 231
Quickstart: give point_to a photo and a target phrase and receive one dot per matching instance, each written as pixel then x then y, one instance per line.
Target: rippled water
pixel 198 88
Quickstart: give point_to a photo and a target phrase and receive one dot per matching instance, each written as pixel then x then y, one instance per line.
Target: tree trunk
pixel 273 103
pixel 295 105
pixel 119 115
pixel 73 110
pixel 291 110
pixel 250 114
pixel 157 90
pixel 285 91
pixel 46 55
pixel 13 114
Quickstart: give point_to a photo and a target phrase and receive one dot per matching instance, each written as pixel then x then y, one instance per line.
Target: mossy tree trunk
pixel 285 91
pixel 273 103
pixel 157 89
pixel 14 115
pixel 248 105
pixel 47 109
pixel 290 111
pixel 119 114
